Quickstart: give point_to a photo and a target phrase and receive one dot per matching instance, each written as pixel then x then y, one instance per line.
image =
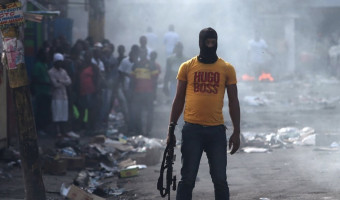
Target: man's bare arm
pixel 178 103
pixel 234 111
pixel 176 111
pixel 234 106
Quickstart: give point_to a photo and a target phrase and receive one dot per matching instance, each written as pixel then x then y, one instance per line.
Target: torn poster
pixel 14 50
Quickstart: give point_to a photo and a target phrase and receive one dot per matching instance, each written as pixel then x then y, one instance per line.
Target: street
pixel 284 174
pixel 86 91
pixel 294 172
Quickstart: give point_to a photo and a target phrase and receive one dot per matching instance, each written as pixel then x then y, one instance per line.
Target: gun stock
pixel 167 164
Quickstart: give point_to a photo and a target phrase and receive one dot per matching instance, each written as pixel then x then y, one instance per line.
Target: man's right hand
pixel 171 139
pixel 234 142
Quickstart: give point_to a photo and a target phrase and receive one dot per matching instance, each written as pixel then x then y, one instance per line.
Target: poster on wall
pixel 11 15
pixel 14 52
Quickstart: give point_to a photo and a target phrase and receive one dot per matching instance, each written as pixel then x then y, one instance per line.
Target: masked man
pixel 201 83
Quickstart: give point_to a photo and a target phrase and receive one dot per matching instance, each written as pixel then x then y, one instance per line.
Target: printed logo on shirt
pixel 206 82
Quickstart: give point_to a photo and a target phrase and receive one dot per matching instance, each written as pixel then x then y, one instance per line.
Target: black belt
pixel 203 125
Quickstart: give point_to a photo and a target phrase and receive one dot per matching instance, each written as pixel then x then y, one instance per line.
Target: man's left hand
pixel 234 142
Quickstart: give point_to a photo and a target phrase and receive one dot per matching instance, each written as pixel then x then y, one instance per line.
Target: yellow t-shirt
pixel 205 90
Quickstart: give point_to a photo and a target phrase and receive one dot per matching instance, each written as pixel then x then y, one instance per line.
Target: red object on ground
pixel 266 76
pixel 246 77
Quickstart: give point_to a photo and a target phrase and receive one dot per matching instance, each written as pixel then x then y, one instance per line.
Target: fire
pixel 266 76
pixel 246 77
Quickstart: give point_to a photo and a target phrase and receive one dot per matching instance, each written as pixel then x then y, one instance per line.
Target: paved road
pixel 299 173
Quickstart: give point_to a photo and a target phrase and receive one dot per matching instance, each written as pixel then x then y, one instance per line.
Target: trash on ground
pixel 54 166
pixel 64 190
pixel 73 163
pixel 68 151
pixel 254 150
pixel 108 191
pixel 99 139
pixel 126 163
pixel 137 166
pixel 117 145
pixel 309 140
pixel 67 142
pixel 285 137
pixel 326 149
pixel 334 145
pixel 108 168
pixel 75 193
pixel 72 134
pixel 10 154
pixel 82 179
pixel 255 100
pixel 326 139
pixel 125 173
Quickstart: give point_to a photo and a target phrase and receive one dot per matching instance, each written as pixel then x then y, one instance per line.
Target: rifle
pixel 167 162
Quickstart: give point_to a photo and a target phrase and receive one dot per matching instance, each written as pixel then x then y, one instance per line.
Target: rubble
pixel 287 137
pixel 255 100
pixel 104 156
pixel 75 193
pixel 125 173
pixel 327 139
pixel 254 150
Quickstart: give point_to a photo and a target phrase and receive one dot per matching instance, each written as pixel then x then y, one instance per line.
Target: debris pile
pixel 287 137
pixel 113 156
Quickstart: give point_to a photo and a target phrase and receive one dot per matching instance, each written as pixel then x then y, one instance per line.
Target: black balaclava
pixel 207 54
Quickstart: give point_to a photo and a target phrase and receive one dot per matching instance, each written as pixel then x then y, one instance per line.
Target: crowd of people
pixel 75 88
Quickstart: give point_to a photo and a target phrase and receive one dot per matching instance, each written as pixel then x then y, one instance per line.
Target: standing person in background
pixel 143 41
pixel 69 67
pixel 334 60
pixel 256 55
pixel 152 38
pixel 111 76
pixel 88 84
pixel 102 88
pixel 201 86
pixel 77 57
pixel 125 69
pixel 97 57
pixel 170 40
pixel 171 70
pixel 60 80
pixel 155 65
pixel 142 85
pixel 119 91
pixel 121 54
pixel 41 86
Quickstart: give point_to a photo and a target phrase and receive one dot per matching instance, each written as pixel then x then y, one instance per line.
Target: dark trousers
pixel 43 111
pixel 88 102
pixel 142 102
pixel 195 140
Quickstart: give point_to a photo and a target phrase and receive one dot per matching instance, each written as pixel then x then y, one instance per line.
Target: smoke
pixel 298 33
pixel 128 21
